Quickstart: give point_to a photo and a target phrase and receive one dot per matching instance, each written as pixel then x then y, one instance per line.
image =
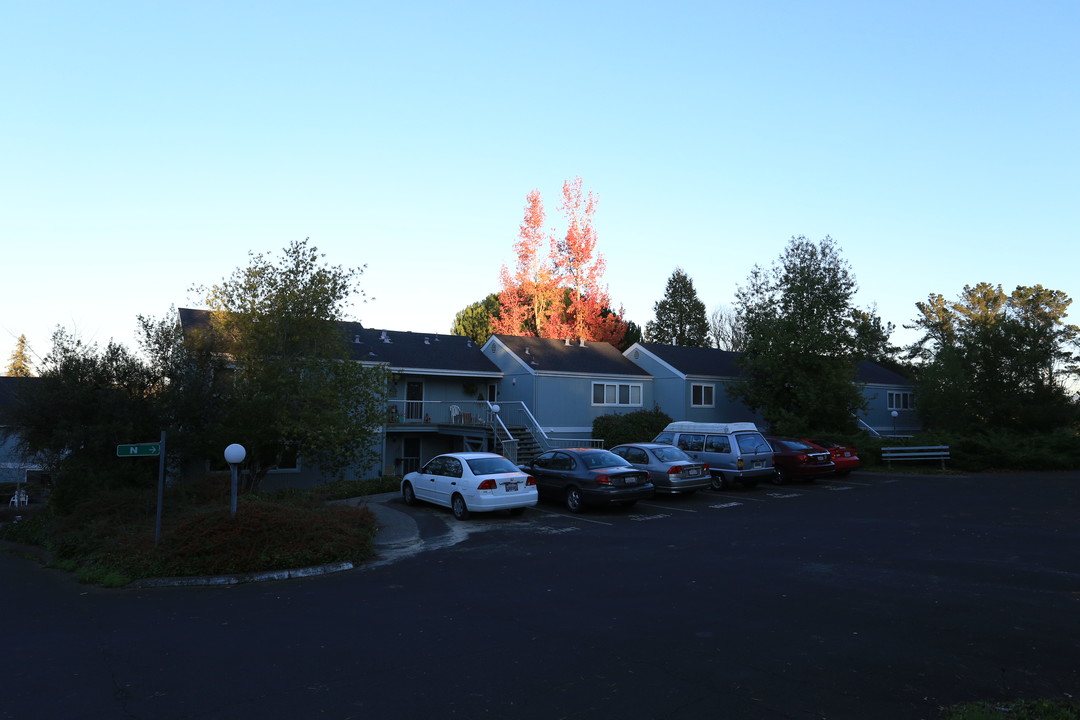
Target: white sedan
pixel 471 482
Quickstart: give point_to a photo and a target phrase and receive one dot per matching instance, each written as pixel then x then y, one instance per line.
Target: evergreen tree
pixel 20 364
pixel 475 320
pixel 680 316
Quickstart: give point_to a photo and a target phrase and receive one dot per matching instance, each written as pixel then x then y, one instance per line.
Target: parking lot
pixel 876 596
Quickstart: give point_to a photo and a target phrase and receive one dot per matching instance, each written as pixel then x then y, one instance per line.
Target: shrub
pixel 637 426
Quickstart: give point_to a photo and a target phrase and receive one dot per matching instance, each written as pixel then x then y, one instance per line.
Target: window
pixel 692 443
pixel 701 395
pixel 901 401
pixel 616 394
pixel 718 444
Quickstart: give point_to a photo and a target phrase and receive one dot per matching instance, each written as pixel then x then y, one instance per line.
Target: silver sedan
pixel 670 469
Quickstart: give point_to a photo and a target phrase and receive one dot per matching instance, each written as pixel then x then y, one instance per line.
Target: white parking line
pixel 665 507
pixel 739 497
pixel 572 517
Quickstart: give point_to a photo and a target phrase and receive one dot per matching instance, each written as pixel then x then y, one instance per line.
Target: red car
pixel 797 459
pixel 845 457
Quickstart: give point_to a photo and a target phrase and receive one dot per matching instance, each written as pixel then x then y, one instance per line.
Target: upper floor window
pixel 901 401
pixel 701 395
pixel 616 394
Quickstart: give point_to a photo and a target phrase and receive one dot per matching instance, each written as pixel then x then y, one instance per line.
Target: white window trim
pixel 617 385
pixel 711 386
pixel 894 395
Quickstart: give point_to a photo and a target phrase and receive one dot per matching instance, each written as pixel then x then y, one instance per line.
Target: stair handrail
pixel 544 442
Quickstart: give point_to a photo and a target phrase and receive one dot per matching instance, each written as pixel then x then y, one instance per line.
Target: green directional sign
pixel 138 450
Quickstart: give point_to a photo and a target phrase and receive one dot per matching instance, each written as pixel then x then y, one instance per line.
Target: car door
pixel 550 470
pixel 428 478
pixel 446 482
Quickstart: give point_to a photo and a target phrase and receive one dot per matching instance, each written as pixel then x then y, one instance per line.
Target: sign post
pixel 150 450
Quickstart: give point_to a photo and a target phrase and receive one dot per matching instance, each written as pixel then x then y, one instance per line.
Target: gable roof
pixel 429 353
pixel 711 362
pixel 545 355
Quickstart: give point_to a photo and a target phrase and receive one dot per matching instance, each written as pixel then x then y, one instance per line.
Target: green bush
pixel 638 426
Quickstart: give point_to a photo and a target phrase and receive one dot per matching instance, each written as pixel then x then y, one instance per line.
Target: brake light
pixel 802 458
pixel 529 480
pixel 706 468
pixel 674 470
pixel 738 464
pixel 603 479
pixel 488 484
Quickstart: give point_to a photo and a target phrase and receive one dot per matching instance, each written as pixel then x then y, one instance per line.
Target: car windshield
pixel 491 466
pixel 670 454
pixel 752 443
pixel 796 445
pixel 601 458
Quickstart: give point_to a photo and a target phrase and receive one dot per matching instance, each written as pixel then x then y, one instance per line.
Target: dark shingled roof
pixel 547 355
pixel 723 363
pixel 400 350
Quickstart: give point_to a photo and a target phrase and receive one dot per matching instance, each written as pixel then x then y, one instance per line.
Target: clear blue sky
pixel 147 147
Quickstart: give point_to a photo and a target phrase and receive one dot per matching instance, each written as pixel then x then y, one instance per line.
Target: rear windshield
pixel 602 458
pixel 752 443
pixel 492 466
pixel 796 445
pixel 670 454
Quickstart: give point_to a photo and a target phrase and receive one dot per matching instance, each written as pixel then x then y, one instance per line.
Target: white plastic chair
pixel 19 498
pixel 455 412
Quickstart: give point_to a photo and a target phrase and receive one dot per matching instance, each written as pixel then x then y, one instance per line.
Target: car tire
pixel 718 482
pixel 574 503
pixel 460 509
pixel 408 494
pixel 778 478
pixel 516 512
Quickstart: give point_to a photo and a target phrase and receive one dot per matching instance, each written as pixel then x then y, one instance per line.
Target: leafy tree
pixel 680 316
pixel 560 295
pixel 20 364
pixel 289 391
pixel 801 349
pixel 475 320
pixel 996 361
pixel 85 402
pixel 726 331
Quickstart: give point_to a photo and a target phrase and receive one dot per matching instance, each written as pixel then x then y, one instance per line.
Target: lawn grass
pixel 109 537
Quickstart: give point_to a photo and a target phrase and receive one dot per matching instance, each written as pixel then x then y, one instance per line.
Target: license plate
pixel 693 472
pixel 511 487
pixel 631 481
pixel 758 464
pixel 847 454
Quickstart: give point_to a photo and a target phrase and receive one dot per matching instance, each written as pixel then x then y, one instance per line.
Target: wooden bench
pixel 930 452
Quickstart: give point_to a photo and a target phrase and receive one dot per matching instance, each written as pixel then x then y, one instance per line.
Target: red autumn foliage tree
pixel 560 296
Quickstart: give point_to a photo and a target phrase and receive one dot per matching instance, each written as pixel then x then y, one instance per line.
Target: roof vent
pixel 356 339
pixel 427 341
pixel 527 350
pixel 566 342
pixel 582 342
pixel 385 337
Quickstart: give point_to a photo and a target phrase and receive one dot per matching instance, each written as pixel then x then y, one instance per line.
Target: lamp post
pixel 234 455
pixel 894 414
